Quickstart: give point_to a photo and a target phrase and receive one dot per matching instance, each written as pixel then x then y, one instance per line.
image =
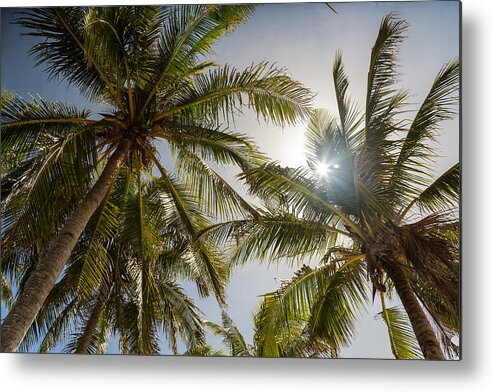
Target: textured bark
pixel 91 325
pixel 425 335
pixel 39 285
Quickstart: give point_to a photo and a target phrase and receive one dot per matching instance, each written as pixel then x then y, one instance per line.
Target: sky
pixel 303 38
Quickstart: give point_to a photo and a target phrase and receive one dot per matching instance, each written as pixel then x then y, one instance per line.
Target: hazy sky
pixel 303 38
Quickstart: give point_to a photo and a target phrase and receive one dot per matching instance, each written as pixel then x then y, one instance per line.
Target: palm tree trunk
pixel 39 285
pixel 425 335
pixel 91 325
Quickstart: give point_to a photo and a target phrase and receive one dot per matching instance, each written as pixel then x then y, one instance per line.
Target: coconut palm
pixel 148 68
pixel 368 208
pixel 109 289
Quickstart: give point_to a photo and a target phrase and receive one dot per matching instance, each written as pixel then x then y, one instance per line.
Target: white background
pixel 474 373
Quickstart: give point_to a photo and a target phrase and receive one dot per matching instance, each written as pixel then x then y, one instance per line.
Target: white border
pixel 473 373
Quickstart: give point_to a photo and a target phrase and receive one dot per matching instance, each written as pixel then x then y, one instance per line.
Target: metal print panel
pixel 269 180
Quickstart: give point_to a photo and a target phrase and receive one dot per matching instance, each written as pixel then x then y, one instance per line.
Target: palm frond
pixel 213 192
pixel 299 190
pixel 325 142
pixel 189 218
pixel 326 299
pixel 336 309
pixel 61 169
pixel 57 331
pixel 434 257
pixel 50 326
pixel 381 78
pixel 231 336
pixel 441 195
pixel 180 314
pixel 24 122
pixel 188 33
pixel 443 318
pixel 437 107
pixel 63 49
pixel 273 238
pixel 213 144
pixel 222 92
pixel 403 342
pixel 349 116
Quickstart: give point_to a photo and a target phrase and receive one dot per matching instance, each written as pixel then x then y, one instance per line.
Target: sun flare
pixel 322 169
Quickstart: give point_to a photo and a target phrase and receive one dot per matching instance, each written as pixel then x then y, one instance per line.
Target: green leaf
pixel 443 193
pixel 63 48
pixel 273 238
pixel 326 299
pixel 221 92
pixel 403 342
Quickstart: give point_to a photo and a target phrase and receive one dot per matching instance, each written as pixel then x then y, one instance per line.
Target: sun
pixel 322 169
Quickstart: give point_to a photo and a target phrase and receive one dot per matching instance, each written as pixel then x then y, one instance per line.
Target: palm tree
pixel 148 66
pixel 107 288
pixel 367 207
